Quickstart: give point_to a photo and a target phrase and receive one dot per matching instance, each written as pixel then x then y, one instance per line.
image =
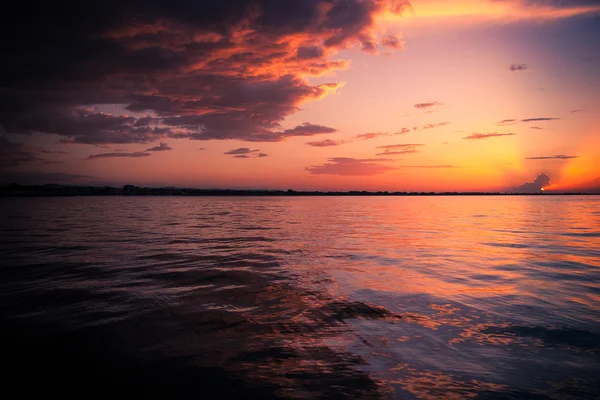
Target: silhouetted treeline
pixel 16 190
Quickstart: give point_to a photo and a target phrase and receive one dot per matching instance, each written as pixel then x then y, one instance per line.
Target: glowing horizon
pixel 460 95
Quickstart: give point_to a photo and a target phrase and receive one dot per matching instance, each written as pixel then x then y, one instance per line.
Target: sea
pixel 483 297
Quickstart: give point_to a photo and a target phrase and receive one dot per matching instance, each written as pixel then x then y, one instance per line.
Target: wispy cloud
pixel 518 67
pixel 428 166
pixel 161 147
pixel 478 136
pixel 261 155
pixel 118 155
pixel 399 149
pixel 351 167
pixel 402 131
pixel 428 105
pixel 371 135
pixel 507 122
pixel 241 150
pixel 540 119
pixel 326 143
pixel 556 157
pixel 429 126
pixel 576 111
pixel 536 127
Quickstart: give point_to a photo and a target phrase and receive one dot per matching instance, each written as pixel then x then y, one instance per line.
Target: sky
pixel 426 95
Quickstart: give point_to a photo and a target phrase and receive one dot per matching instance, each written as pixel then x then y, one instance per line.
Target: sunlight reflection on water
pixel 430 297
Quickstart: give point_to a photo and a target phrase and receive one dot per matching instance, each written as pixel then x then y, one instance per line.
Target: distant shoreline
pixel 53 190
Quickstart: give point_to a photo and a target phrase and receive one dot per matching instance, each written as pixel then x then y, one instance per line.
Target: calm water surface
pixel 407 297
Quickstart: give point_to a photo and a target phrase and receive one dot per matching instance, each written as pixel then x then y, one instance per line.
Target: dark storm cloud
pixel 556 157
pixel 118 155
pixel 326 143
pixel 309 52
pixel 477 136
pixel 231 69
pixel 518 67
pixel 427 105
pixel 540 182
pixel 351 167
pixel 241 150
pixel 539 119
pixel 14 154
pixel 161 147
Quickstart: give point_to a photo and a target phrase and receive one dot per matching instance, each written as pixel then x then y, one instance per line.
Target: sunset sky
pixel 303 94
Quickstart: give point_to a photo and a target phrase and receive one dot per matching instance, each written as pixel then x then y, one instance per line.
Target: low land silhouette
pixel 49 190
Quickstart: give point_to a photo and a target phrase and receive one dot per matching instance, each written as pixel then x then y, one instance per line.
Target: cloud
pixel 478 136
pixel 371 135
pixel 199 70
pixel 507 122
pixel 536 127
pixel 400 146
pixel 241 150
pixel 261 155
pixel 576 111
pixel 241 156
pixel 326 143
pixel 307 129
pixel 392 41
pixel 15 154
pixel 41 178
pixel 398 149
pixel 429 126
pixel 539 119
pixel 428 166
pixel 351 167
pixel 161 147
pixel 118 155
pixel 428 105
pixel 518 67
pixel 397 152
pixel 540 182
pixel 202 148
pixel 402 131
pixel 556 157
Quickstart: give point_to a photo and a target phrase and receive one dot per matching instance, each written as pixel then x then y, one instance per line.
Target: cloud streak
pixel 539 119
pixel 427 105
pixel 371 135
pixel 345 166
pixel 161 147
pixel 119 155
pixel 478 136
pixel 326 143
pixel 399 149
pixel 518 67
pixel 556 157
